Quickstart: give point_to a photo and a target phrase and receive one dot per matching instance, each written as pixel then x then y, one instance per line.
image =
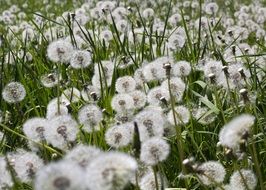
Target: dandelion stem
pixel 256 163
pixel 156 178
pixel 178 129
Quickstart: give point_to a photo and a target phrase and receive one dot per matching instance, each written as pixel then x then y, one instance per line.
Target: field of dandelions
pixel 132 95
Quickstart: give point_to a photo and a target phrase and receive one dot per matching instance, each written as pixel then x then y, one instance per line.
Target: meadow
pixel 132 95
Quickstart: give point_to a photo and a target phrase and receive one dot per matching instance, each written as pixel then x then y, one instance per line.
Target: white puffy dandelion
pixel 175 42
pixel 181 69
pixel 90 93
pixel 243 179
pixel 106 36
pixel 235 77
pixel 57 176
pixel 154 70
pixel 34 128
pixel 119 135
pixel 112 170
pixel 124 117
pixel 122 25
pixel 139 98
pixel 80 59
pixel 147 182
pixel 156 94
pixel 122 102
pixel 139 77
pixel 177 87
pixel 182 115
pixel 90 117
pixel 55 108
pixel 232 133
pixel 203 115
pixel 83 154
pixel 70 95
pixel 211 172
pixel 105 69
pixel 150 123
pixel 60 51
pixel 148 13
pixel 211 8
pixel 154 150
pixel 175 19
pixel 6 181
pixel 25 164
pixel 61 131
pixel 101 82
pixel 213 67
pixel 50 80
pixel 14 92
pixel 125 84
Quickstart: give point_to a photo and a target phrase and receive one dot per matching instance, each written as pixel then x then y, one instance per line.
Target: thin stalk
pixel 156 178
pixel 256 164
pixel 178 130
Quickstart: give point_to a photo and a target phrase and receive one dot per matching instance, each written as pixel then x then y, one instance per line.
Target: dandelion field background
pixel 134 95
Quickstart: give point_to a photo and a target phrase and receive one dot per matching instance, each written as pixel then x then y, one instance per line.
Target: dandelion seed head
pixel 6 181
pixel 34 128
pixel 52 108
pixel 111 171
pixel 122 25
pixel 211 172
pixel 125 84
pixel 175 42
pixel 147 182
pixel 154 150
pixel 106 36
pixel 200 114
pixel 182 115
pixel 60 51
pixel 231 134
pixel 90 92
pixel 90 117
pixel 211 8
pixel 139 77
pixel 70 95
pixel 25 164
pixel 14 92
pixel 124 117
pixel 175 19
pixel 106 69
pixel 214 67
pixel 181 68
pixel 155 94
pixel 80 59
pixel 61 131
pixel 139 98
pixel 83 154
pixel 150 123
pixel 148 13
pixel 99 82
pixel 122 102
pixel 235 78
pixel 28 35
pixel 119 135
pixel 50 80
pixel 177 87
pixel 240 179
pixel 154 70
pixel 55 176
